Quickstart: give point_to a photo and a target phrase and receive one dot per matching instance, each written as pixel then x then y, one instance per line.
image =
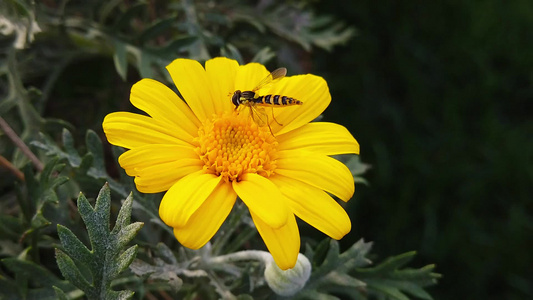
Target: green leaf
pixel 107 257
pixel 92 163
pixel 120 59
pixel 71 272
pixel 72 246
pixel 32 280
pixel 10 226
pixel 343 279
pixel 72 154
pixel 123 218
pixel 127 234
pixel 386 290
pixel 124 19
pixel 172 48
pixel 348 274
pixel 166 269
pixel 156 29
pixel 122 295
pixel 333 253
pixel 167 274
pixel 232 52
pixel 333 35
pixel 144 64
pixel 39 221
pixel 165 254
pixel 60 294
pixel 50 147
pixel 125 259
pixel 388 279
pixel 339 263
pixel 357 167
pixel 264 55
pixel 39 193
pixel 249 18
pixel 393 263
pixel 107 8
pixel 94 146
pixel 48 179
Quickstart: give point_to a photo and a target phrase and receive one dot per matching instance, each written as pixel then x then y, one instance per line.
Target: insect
pixel 256 103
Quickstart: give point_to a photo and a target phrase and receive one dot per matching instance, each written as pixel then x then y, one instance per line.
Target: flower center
pixel 233 145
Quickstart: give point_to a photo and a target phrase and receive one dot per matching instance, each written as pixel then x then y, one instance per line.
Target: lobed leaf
pixel 72 246
pixel 71 153
pixel 347 274
pixel 107 258
pixel 124 260
pixel 393 263
pixel 94 146
pixel 388 279
pixel 124 215
pixel 71 272
pixel 127 234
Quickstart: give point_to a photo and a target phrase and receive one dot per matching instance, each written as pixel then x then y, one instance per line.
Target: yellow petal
pixel 154 154
pixel 206 221
pixel 319 137
pixel 221 73
pixel 183 199
pixel 310 89
pixel 283 243
pixel 160 177
pixel 320 171
pixel 314 206
pixel 263 198
pixel 193 84
pixel 249 75
pixel 161 103
pixel 131 130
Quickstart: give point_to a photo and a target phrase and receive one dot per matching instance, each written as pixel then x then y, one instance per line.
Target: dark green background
pixel 439 95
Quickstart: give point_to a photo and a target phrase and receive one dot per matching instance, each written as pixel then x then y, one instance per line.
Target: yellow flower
pixel 205 154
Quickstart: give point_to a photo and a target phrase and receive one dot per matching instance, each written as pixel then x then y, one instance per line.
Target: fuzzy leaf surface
pixel 107 257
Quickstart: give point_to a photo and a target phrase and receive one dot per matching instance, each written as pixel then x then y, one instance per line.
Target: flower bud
pixel 288 282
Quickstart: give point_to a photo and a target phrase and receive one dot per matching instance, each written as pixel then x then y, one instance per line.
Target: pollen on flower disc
pixel 233 145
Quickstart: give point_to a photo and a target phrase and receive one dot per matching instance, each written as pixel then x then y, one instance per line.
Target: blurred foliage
pixel 65 64
pixel 440 96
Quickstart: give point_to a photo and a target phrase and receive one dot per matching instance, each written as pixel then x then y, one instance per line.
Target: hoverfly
pixel 256 103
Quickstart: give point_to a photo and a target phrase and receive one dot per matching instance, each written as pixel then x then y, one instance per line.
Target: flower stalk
pixel 244 255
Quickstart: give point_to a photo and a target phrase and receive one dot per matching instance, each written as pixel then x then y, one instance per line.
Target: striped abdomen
pixel 276 100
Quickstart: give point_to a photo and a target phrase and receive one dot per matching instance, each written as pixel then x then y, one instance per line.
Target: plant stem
pixel 263 256
pixel 20 144
pixel 6 163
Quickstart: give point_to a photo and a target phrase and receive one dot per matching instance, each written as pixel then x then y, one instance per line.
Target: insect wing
pixel 275 75
pixel 278 73
pixel 259 116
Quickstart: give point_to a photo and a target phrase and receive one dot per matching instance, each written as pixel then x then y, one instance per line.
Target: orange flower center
pixel 233 145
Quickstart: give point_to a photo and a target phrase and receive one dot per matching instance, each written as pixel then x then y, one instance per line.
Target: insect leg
pixel 273 117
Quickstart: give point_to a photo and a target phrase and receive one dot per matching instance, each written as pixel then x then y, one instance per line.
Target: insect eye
pixel 235 98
